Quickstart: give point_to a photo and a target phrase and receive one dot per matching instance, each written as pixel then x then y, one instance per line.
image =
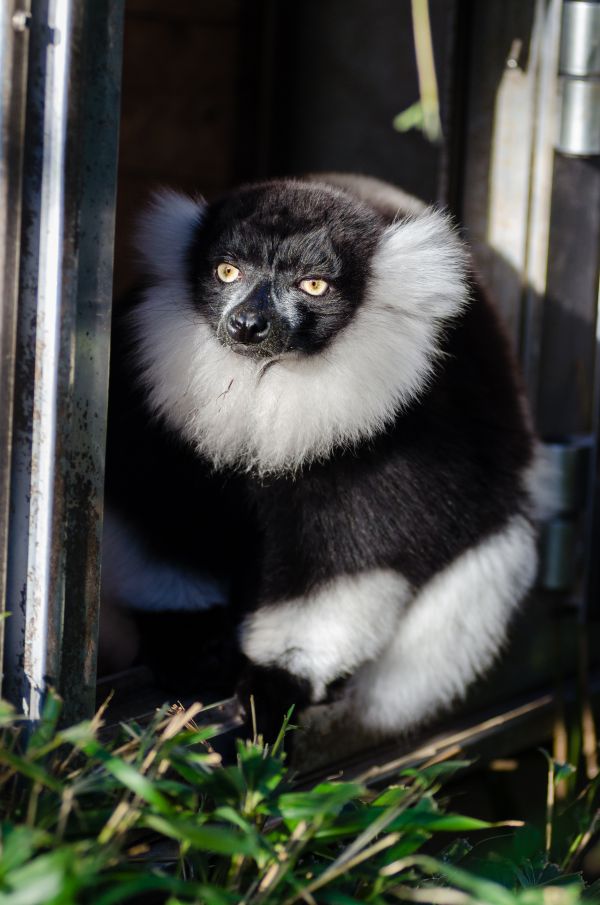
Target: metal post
pixel 14 43
pixel 62 351
pixel 34 623
pixel 92 150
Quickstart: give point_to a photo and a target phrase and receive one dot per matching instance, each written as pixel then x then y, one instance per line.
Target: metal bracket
pixel 579 68
pixel 562 543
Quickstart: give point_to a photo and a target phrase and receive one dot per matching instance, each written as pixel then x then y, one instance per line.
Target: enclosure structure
pixel 213 94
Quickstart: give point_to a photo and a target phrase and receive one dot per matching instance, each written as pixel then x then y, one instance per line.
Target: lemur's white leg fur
pixel 331 632
pixel 135 578
pixel 449 634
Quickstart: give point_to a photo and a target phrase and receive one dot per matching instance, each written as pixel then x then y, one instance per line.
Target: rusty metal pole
pixel 64 301
pixel 14 45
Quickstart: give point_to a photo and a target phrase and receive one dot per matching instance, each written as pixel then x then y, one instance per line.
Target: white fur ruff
pixel 329 633
pixel 237 413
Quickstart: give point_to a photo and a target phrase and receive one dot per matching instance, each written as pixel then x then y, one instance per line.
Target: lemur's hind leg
pixel 449 634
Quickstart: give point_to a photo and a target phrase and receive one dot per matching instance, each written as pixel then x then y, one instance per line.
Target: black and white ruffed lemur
pixel 317 437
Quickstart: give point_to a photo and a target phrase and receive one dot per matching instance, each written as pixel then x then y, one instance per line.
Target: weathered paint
pixel 62 363
pixel 14 43
pixel 29 591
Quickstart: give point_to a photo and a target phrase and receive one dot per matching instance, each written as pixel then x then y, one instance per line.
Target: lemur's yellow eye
pixel 227 273
pixel 314 287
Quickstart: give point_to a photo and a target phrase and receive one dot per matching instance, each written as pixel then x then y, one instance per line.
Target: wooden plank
pixel 566 401
pixel 178 112
pixel 502 732
pixel 205 11
pixel 178 109
pixel 132 695
pixel 498 732
pixel 511 111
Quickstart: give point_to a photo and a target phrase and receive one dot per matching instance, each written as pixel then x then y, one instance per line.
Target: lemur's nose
pixel 249 327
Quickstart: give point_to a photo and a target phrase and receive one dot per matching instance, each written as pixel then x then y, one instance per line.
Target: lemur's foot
pixel 274 692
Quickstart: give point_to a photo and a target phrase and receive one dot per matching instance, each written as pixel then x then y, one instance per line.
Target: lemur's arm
pixel 298 647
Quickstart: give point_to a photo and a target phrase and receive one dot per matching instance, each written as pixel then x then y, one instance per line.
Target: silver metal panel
pixel 580 38
pixel 570 462
pixel 580 117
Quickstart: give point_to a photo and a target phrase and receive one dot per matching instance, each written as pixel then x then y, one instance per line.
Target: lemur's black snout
pixel 248 326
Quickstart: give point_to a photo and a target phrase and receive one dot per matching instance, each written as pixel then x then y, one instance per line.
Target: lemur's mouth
pixel 249 351
pixel 272 346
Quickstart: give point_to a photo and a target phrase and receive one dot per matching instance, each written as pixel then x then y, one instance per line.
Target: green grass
pixel 155 817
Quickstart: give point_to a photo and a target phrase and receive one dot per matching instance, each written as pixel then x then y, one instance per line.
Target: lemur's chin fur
pixel 316 427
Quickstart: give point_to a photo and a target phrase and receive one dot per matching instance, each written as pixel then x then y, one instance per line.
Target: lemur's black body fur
pixel 441 483
pixel 416 496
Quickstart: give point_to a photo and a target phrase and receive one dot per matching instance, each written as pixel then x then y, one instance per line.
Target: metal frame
pixel 63 326
pixel 529 211
pixel 30 627
pixel 14 43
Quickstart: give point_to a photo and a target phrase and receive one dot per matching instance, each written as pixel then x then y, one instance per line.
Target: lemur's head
pixel 289 317
pixel 277 269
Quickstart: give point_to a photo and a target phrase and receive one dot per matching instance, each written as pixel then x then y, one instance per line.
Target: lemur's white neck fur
pixel 239 413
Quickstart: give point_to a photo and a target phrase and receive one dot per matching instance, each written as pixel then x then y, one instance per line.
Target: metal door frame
pixel 66 204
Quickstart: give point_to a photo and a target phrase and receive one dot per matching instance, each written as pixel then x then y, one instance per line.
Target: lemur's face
pixel 281 271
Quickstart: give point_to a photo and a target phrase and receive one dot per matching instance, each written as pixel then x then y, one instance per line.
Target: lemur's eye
pixel 314 287
pixel 227 273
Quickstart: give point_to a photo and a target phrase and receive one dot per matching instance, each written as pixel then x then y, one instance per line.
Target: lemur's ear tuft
pixel 422 266
pixel 165 231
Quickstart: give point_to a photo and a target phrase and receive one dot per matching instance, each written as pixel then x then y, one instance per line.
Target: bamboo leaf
pixel 205 837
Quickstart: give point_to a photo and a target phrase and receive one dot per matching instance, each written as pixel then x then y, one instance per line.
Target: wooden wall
pixel 179 105
pixel 218 93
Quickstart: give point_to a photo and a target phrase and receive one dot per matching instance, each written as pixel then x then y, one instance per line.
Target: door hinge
pixel 579 70
pixel 562 548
